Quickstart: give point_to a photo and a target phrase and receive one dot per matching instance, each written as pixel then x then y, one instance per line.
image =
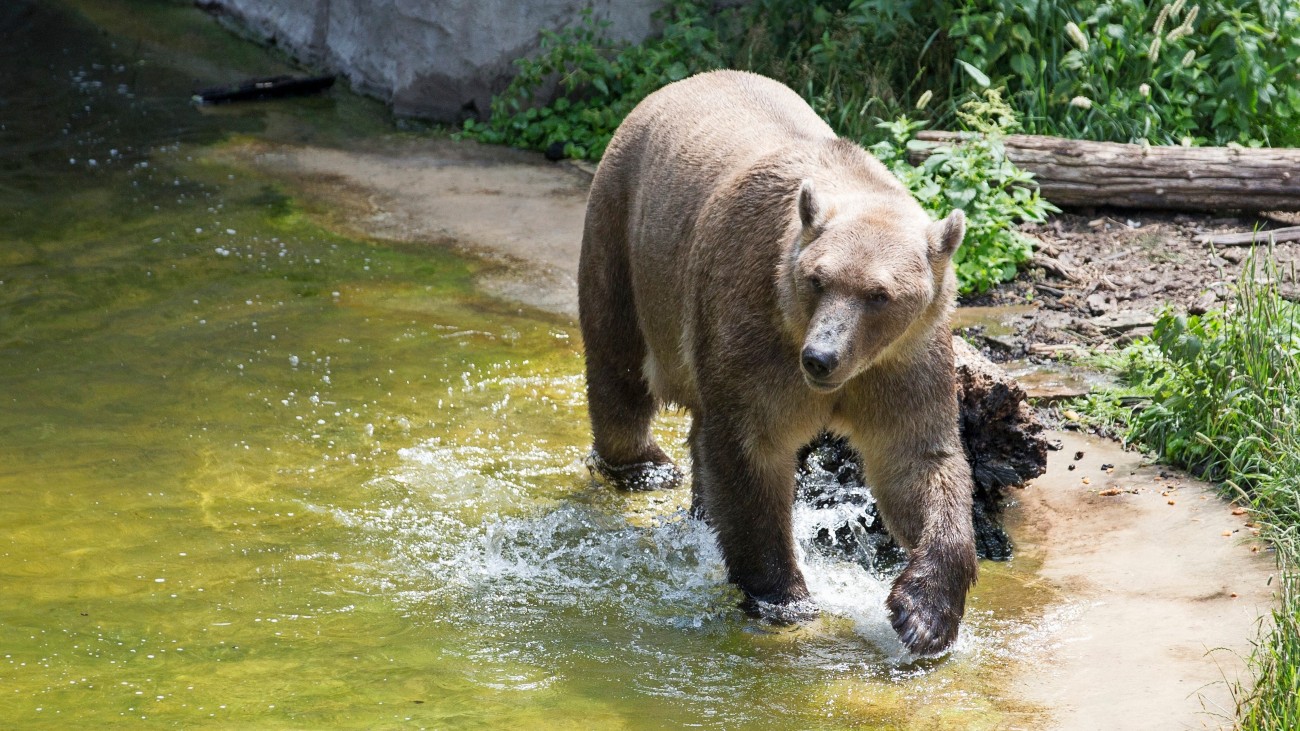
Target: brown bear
pixel 742 261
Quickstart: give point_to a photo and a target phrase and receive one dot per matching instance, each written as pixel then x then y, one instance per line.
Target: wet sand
pixel 1158 605
pixel 1146 631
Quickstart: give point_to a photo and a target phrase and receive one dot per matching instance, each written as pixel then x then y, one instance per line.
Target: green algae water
pixel 257 474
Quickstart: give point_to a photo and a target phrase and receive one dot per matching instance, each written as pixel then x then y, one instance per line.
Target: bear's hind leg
pixel 618 397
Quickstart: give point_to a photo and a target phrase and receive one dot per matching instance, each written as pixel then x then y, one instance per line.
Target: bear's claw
pixel 924 627
pixel 636 477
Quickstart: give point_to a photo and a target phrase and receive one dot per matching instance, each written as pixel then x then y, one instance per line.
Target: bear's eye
pixel 815 282
pixel 876 299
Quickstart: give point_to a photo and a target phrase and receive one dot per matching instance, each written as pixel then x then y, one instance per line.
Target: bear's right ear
pixel 810 214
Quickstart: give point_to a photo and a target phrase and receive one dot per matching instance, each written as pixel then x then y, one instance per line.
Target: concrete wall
pixel 440 59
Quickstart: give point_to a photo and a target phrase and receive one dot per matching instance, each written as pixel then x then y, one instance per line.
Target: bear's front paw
pixel 637 477
pixel 925 616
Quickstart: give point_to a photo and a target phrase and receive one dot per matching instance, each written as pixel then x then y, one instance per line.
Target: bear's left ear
pixel 811 216
pixel 946 235
pixel 809 210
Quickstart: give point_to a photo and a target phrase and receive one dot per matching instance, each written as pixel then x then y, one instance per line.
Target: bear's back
pixel 701 130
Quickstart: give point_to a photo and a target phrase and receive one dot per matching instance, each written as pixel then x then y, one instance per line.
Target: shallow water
pixel 257 473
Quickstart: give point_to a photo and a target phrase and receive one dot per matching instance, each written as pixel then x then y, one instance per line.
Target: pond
pixel 260 474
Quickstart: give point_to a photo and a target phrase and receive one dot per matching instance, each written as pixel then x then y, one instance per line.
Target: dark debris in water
pixel 1004 444
pixel 830 475
pixel 274 87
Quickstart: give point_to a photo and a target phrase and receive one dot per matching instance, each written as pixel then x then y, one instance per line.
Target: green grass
pixel 1219 395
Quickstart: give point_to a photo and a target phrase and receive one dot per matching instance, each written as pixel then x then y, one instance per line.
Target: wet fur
pixel 729 234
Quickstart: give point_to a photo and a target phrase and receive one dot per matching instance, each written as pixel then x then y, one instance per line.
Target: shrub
pixel 601 81
pixel 1169 73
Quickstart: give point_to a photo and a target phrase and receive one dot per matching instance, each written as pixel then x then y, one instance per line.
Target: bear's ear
pixel 946 235
pixel 811 217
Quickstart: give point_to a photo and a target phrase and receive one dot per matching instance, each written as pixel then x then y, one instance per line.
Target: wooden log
pixel 1250 238
pixel 1083 173
pixel 274 87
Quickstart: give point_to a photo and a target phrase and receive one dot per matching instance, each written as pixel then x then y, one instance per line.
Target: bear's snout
pixel 818 363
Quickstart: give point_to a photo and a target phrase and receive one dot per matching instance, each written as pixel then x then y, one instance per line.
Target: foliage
pixel 601 81
pixel 976 177
pixel 1222 398
pixel 1219 71
pixel 1180 72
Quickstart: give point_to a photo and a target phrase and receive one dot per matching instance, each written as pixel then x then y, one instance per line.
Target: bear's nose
pixel 819 363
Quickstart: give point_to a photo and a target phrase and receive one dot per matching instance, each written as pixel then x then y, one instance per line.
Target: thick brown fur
pixel 743 262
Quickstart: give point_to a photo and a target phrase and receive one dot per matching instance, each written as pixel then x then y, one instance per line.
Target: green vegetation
pixel 1169 73
pixel 1219 395
pixel 600 81
pixel 1180 72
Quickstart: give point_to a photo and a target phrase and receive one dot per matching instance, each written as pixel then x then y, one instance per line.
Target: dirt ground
pixel 1099 278
pixel 1160 583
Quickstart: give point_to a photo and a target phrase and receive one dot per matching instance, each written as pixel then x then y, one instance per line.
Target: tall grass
pixel 1223 400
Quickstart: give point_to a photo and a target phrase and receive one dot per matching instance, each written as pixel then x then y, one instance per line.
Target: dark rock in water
pixel 830 476
pixel 1003 440
pixel 1004 445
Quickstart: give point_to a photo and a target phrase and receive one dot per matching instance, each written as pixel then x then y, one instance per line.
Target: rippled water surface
pixel 258 474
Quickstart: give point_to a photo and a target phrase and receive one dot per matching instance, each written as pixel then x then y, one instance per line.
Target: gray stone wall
pixel 439 59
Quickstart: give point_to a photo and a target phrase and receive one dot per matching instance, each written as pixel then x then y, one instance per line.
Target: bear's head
pixel 869 277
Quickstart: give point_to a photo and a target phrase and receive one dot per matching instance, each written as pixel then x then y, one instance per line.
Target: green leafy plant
pixel 600 80
pixel 1179 72
pixel 854 61
pixel 977 177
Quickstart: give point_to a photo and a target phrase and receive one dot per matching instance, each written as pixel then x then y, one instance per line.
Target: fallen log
pixel 1250 238
pixel 1004 445
pixel 274 87
pixel 1083 173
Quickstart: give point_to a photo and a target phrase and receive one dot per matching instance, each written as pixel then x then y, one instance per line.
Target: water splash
pixel 474 538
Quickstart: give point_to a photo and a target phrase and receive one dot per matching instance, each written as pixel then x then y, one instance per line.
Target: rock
pixel 1099 303
pixel 1003 438
pixel 442 60
pixel 1134 335
pixel 1003 343
pixel 1123 320
pixel 1004 445
pixel 1053 350
pixel 1202 304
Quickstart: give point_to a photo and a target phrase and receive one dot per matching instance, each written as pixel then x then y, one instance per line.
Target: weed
pixel 1124 70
